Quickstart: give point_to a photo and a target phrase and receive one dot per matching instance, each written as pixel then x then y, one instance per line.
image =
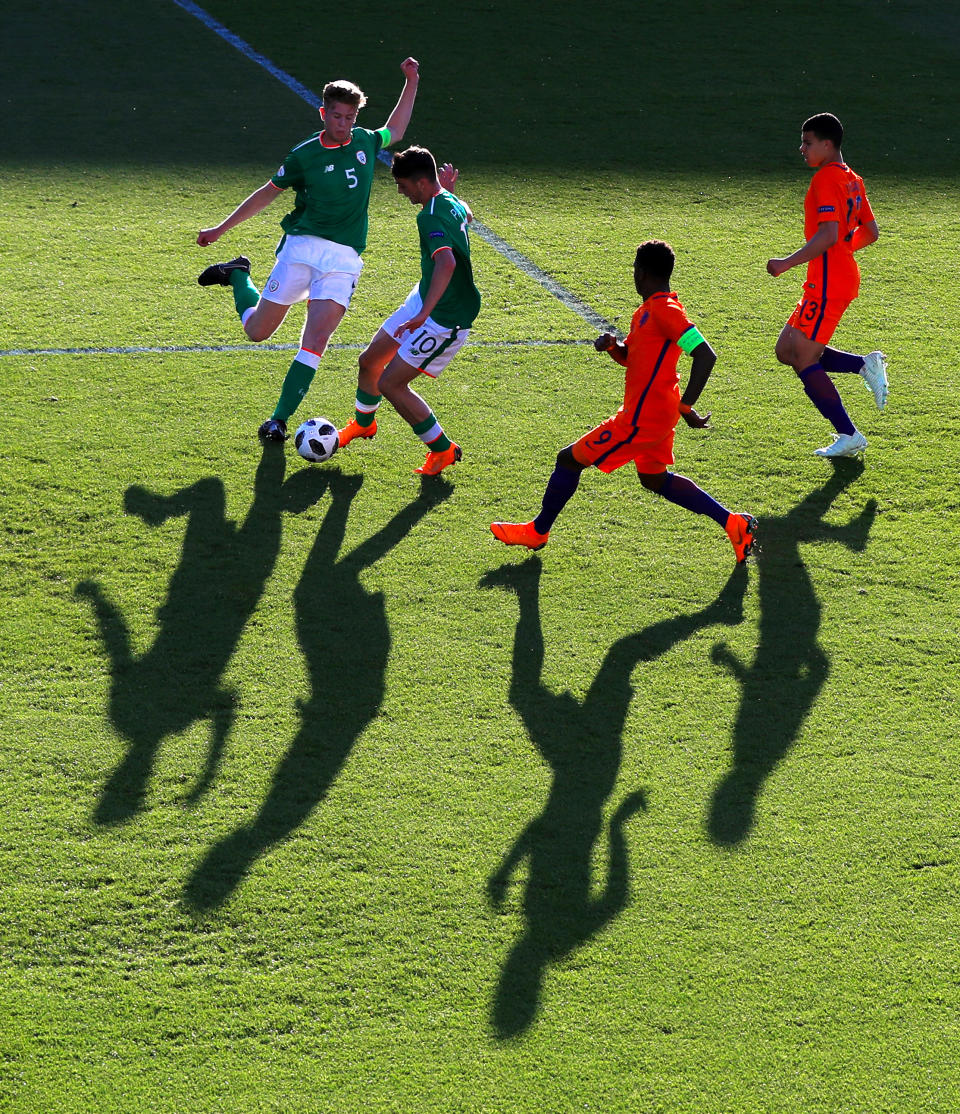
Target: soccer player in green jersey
pixel 433 324
pixel 318 259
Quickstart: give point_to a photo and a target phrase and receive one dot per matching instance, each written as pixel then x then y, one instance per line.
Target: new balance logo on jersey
pixel 327 169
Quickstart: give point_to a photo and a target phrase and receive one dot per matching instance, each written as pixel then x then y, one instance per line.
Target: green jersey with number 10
pixel 442 223
pixel 332 187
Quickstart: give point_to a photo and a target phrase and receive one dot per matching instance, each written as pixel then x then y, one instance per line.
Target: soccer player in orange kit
pixel 642 429
pixel 837 221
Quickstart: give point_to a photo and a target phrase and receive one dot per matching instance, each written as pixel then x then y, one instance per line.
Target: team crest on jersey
pixel 273 286
pixel 362 158
pixel 279 173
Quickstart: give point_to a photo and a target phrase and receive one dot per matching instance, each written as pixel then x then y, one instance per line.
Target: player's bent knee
pixel 784 354
pixel 566 459
pixel 653 481
pixel 369 364
pixel 397 377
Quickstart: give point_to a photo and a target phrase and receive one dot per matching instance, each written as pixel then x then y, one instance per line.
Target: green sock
pixel 245 294
pixel 366 410
pixel 431 434
pixel 296 383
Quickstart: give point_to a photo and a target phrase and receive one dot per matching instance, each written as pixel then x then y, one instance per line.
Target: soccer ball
pixel 316 440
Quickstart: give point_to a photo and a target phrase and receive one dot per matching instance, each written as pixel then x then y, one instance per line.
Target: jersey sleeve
pixel 377 139
pixel 866 213
pixel 290 174
pixel 671 319
pixel 827 198
pixel 434 233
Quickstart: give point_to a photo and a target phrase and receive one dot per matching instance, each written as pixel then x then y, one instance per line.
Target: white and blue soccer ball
pixel 316 440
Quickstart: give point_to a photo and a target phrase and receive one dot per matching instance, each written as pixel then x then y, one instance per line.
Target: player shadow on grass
pixel 217 584
pixel 789 668
pixel 581 743
pixel 345 638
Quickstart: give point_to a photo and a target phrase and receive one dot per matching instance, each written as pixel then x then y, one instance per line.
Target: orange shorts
pixel 616 442
pixel 818 317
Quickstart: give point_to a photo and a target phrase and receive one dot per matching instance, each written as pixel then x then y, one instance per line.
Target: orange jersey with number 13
pixel 836 194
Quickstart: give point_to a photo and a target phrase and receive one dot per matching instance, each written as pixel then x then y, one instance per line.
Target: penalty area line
pixel 517 258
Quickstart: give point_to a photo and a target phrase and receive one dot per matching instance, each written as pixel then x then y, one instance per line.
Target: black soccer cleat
pixel 218 274
pixel 273 429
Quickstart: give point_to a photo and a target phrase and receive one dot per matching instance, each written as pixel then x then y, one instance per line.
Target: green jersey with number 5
pixel 332 187
pixel 442 223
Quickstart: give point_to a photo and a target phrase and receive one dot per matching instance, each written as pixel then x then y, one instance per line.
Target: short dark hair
pixel 415 162
pixel 656 258
pixel 825 126
pixel 343 92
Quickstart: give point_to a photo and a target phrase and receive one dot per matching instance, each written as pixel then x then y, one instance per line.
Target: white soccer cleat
pixel 874 372
pixel 844 444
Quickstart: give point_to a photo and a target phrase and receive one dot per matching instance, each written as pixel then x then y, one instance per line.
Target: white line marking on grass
pixel 518 259
pixel 247 50
pixel 173 349
pixel 529 268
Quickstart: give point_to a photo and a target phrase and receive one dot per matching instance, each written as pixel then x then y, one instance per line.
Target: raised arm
pixel 249 207
pixel 399 119
pixel 447 175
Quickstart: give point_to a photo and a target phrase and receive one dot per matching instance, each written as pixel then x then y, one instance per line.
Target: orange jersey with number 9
pixel 652 390
pixel 642 429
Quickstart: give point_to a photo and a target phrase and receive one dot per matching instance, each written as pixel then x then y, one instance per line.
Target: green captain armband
pixel 691 339
pixel 385 136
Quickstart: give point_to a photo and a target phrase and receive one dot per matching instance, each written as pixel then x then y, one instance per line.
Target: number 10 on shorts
pixel 432 347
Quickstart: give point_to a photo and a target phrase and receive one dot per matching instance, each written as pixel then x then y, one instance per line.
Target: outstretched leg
pixel 740 528
pixel 323 317
pixel 373 362
pixel 561 487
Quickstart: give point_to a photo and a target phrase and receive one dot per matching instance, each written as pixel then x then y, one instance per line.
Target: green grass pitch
pixel 313 797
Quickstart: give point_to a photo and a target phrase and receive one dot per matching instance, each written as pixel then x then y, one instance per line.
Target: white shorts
pixel 429 348
pixel 309 267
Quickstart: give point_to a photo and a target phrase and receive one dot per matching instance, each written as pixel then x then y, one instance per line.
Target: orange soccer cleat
pixel 436 462
pixel 519 533
pixel 740 530
pixel 354 429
